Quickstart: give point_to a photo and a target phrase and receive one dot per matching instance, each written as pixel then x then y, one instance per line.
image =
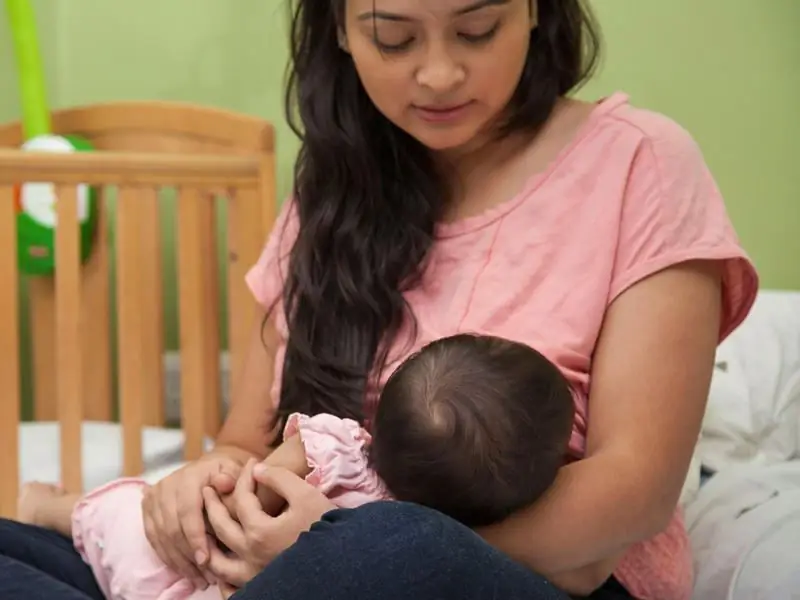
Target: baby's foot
pixel 33 497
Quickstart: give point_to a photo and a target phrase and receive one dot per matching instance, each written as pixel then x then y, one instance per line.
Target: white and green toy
pixel 35 202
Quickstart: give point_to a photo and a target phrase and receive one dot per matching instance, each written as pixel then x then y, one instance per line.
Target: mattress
pixel 101 452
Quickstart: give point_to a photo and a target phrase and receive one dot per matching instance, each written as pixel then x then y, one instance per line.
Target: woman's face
pixel 442 70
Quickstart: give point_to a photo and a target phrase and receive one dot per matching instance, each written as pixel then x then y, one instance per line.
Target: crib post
pixel 9 354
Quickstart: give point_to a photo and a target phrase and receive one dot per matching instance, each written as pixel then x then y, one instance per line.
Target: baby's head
pixel 473 426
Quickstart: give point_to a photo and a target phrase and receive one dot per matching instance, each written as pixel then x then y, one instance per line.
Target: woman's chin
pixel 446 142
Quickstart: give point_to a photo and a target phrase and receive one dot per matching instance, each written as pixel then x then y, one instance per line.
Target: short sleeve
pixel 267 277
pixel 673 212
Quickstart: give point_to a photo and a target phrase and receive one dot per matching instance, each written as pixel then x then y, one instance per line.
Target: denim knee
pixel 394 550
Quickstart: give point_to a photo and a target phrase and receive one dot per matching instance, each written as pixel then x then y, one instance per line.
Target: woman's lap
pixel 39 563
pixel 393 550
pixel 388 550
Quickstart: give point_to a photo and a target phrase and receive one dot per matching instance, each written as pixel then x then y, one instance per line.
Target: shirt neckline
pixel 489 216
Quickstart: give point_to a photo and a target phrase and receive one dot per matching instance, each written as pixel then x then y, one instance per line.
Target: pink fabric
pixel 630 196
pixel 108 532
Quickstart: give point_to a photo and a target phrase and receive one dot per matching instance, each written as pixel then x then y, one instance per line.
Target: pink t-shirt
pixel 631 195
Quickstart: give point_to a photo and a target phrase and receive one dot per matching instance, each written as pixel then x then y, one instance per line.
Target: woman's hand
pixel 173 512
pixel 257 538
pixel 226 590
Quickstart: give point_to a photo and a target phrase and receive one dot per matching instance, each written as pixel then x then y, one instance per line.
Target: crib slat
pixel 42 318
pixel 152 318
pixel 69 367
pixel 96 328
pixel 9 354
pixel 212 411
pixel 267 201
pixel 199 344
pixel 245 241
pixel 130 300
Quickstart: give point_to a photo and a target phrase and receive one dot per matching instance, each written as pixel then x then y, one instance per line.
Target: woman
pixel 446 183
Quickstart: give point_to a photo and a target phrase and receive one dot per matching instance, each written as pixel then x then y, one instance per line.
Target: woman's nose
pixel 440 73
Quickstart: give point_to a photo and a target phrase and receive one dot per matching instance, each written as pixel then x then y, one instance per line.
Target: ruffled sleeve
pixel 335 451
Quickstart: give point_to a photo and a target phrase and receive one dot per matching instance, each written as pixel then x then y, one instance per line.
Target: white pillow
pixel 753 414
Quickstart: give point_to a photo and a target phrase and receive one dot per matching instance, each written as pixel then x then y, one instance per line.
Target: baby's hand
pixel 290 455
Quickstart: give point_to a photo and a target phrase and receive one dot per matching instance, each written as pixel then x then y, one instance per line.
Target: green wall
pixel 725 69
pixel 731 79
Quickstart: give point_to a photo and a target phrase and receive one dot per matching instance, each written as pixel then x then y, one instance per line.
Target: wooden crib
pixel 207 156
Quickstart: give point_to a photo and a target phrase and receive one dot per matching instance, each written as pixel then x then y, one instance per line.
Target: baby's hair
pixel 473 426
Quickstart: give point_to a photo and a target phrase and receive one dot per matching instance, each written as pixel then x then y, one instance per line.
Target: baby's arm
pixel 336 462
pixel 329 453
pixel 289 455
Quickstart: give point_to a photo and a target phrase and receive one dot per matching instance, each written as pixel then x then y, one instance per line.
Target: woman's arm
pixel 650 379
pixel 247 430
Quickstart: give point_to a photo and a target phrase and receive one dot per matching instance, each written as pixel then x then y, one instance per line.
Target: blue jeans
pixel 386 550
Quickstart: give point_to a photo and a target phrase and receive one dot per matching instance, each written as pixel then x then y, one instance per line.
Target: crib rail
pixel 81 380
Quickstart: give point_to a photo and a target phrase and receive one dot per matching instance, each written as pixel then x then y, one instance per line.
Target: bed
pixel 97 327
pixel 744 520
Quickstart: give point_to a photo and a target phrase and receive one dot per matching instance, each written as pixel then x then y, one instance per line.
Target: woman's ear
pixel 342 39
pixel 534 5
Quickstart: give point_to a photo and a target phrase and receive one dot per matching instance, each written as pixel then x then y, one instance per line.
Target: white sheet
pixel 744 527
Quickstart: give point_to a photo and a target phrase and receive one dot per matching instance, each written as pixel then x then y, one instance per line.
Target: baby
pixel 475 427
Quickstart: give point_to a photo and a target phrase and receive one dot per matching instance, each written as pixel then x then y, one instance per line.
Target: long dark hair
pixel 368 197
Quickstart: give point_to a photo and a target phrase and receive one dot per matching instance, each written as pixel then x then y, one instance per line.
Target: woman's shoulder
pixel 650 131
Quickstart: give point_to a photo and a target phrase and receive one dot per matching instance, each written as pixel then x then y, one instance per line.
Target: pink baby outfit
pixel 629 196
pixel 335 451
pixel 108 529
pixel 108 532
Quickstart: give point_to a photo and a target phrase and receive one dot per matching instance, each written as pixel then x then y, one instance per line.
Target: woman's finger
pixel 288 485
pixel 228 531
pixel 190 515
pixel 162 541
pixel 175 546
pixel 248 508
pixel 153 526
pixel 229 569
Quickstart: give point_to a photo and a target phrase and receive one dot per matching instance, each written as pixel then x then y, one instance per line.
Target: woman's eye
pixel 399 47
pixel 479 38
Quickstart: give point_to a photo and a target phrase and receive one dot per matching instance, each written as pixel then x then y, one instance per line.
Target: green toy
pixel 35 202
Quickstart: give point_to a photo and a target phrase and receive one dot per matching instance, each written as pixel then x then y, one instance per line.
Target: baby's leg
pixel 108 530
pixel 48 506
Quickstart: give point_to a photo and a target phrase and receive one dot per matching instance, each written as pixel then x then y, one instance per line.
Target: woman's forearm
pixel 585 580
pixel 596 509
pixel 249 426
